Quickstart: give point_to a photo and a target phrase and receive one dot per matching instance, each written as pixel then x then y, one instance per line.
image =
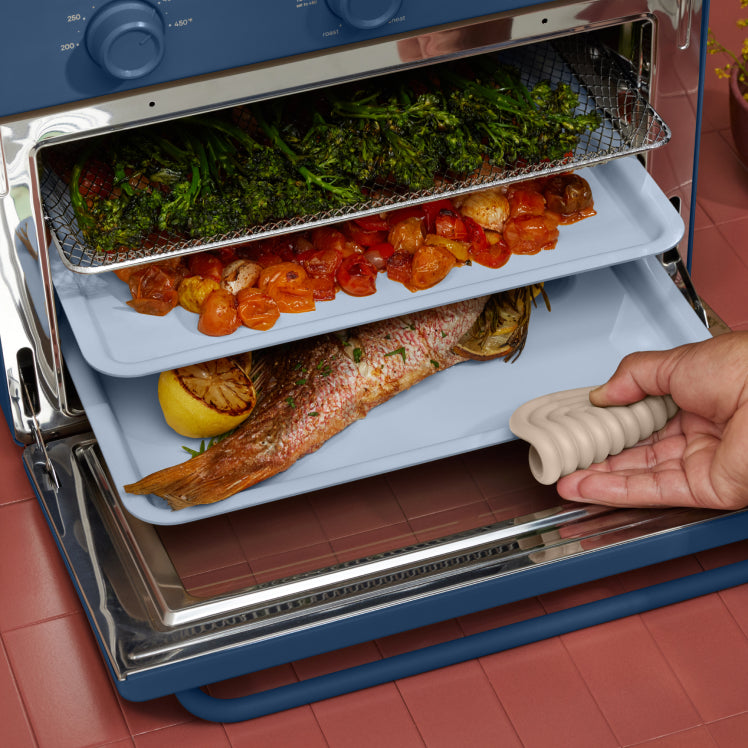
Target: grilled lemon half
pixel 207 399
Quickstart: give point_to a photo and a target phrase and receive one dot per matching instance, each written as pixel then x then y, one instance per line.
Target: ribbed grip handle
pixel 567 433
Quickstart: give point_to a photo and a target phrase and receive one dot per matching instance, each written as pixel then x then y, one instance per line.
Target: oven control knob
pixel 365 14
pixel 126 38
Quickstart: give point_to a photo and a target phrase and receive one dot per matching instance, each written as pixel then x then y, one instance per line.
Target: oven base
pixel 183 658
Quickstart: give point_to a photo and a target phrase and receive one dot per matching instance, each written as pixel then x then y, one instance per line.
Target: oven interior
pixel 365 544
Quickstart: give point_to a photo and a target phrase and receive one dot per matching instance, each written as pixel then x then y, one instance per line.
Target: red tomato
pixel 372 223
pixel 206 265
pixel 379 254
pixel 284 272
pixel 398 267
pixel 260 252
pixel 218 314
pixel 124 273
pixel 154 291
pixel 357 276
pixel 362 237
pixel 450 226
pixel 524 202
pixel 431 265
pixel 432 210
pixel 285 246
pixel 225 254
pixel 256 309
pixel 402 214
pixel 527 235
pixel 287 285
pixel 327 237
pixel 321 263
pixel 323 289
pixel 426 212
pixel 475 233
pixel 491 255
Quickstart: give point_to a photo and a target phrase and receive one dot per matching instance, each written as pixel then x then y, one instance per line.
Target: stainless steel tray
pixel 602 80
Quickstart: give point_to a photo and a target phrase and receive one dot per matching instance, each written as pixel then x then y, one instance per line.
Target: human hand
pixel 700 458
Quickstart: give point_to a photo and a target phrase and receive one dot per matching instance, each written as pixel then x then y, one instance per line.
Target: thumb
pixel 638 375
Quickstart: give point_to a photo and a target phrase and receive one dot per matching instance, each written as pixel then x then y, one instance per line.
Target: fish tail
pixel 196 481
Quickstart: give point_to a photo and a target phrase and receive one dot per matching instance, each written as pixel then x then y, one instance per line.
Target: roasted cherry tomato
pixel 475 233
pixel 287 285
pixel 402 214
pixel 321 263
pixel 372 223
pixel 218 314
pixel 491 255
pixel 283 246
pixel 362 237
pixel 450 225
pixel 398 267
pixel 124 273
pixel 225 254
pixel 357 276
pixel 206 265
pixel 523 202
pixel 431 211
pixel 284 272
pixel 527 235
pixel 570 196
pixel 327 237
pixel 379 254
pixel 323 289
pixel 154 291
pixel 407 235
pixel 431 265
pixel 256 309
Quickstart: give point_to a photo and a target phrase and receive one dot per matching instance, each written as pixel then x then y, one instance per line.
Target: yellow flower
pixel 739 60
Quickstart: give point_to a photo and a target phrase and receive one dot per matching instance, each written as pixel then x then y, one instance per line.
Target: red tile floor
pixel 672 678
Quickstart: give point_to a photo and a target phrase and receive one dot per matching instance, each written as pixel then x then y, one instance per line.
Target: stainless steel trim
pixel 685 20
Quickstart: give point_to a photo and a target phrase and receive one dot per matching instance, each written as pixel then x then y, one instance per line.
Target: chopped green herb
pixel 358 354
pixel 204 447
pixel 314 413
pixel 444 334
pixel 291 401
pixel 435 364
pixel 397 352
pixel 301 381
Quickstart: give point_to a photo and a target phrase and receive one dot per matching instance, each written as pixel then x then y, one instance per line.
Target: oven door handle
pixel 484 643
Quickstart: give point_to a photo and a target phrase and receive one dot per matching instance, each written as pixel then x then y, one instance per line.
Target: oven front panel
pixel 82 50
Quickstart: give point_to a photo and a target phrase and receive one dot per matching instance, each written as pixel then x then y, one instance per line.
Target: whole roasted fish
pixel 312 390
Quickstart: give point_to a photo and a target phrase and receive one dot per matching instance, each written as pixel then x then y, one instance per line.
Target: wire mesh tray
pixel 602 81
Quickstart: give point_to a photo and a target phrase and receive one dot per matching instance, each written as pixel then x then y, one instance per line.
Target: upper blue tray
pixel 634 219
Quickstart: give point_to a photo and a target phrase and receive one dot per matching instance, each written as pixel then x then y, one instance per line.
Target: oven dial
pixel 126 38
pixel 365 14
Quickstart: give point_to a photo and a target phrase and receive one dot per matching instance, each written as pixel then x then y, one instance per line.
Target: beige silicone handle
pixel 566 432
